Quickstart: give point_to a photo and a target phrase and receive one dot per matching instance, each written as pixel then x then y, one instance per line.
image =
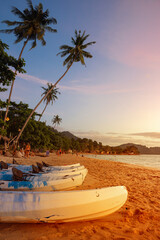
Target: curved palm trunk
pixel 43 112
pixel 9 99
pixel 40 103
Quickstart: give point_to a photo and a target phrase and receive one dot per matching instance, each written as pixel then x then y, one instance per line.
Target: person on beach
pixel 22 151
pixel 47 153
pixel 60 151
pixel 27 150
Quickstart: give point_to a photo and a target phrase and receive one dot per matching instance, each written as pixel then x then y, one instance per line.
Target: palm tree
pixel 76 54
pixel 32 26
pixel 56 120
pixel 51 97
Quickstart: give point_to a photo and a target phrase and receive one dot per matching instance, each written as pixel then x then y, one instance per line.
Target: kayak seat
pixel 40 166
pixel 45 164
pixel 35 169
pixel 3 165
pixel 15 162
pixel 17 174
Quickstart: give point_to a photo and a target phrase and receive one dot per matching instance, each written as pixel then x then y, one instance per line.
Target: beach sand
pixel 139 218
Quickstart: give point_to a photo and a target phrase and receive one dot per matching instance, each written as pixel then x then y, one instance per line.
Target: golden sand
pixel 139 218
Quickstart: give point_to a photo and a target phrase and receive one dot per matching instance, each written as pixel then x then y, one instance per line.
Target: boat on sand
pixel 7 174
pixel 52 183
pixel 60 206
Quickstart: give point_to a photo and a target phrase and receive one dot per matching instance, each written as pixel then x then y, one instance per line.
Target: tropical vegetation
pixel 32 25
pixel 7 66
pixel 6 62
pixel 43 137
pixel 19 118
pixel 76 53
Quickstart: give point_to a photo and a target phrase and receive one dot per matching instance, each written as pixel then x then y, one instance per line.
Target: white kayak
pixel 54 174
pixel 65 206
pixel 49 168
pixel 54 183
pixel 7 175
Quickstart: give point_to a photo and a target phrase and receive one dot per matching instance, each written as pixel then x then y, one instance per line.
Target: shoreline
pixel 134 164
pixel 137 219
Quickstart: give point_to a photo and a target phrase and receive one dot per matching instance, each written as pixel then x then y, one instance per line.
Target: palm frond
pixel 29 2
pixel 68 60
pixel 63 53
pixel 73 41
pixel 43 41
pixel 7 31
pixel 88 44
pixel 51 21
pixel 65 47
pixel 34 44
pixel 39 8
pixel 49 29
pixel 19 39
pixel 87 54
pixel 11 23
pixel 16 11
pixel 82 60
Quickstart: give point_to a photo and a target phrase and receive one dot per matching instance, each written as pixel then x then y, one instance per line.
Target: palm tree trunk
pixel 9 99
pixel 43 112
pixel 40 103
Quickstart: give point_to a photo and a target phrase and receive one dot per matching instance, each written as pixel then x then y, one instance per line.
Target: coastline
pixel 136 160
pixel 137 219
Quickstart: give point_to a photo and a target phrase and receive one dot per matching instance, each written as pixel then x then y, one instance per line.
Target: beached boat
pixel 52 183
pixel 47 176
pixel 28 168
pixel 63 206
pixel 7 175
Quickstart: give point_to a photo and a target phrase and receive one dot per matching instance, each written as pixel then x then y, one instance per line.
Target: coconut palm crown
pixel 32 25
pixel 77 52
pixel 51 97
pixel 56 120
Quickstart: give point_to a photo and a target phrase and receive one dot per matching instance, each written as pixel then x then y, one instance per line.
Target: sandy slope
pixel 139 218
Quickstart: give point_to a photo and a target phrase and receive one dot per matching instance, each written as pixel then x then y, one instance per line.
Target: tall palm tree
pixel 33 24
pixel 51 97
pixel 56 120
pixel 76 54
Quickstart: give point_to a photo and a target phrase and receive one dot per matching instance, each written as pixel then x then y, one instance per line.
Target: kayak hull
pixel 39 184
pixel 64 206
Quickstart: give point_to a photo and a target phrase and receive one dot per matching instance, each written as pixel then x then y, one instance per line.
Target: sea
pixel 152 161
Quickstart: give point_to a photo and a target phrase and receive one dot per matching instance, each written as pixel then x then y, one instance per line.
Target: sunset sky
pixel 115 99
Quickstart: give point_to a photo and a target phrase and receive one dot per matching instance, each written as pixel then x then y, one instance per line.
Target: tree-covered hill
pixel 142 148
pixel 44 137
pixel 68 135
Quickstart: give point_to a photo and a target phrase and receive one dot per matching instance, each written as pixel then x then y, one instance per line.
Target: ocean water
pixel 142 160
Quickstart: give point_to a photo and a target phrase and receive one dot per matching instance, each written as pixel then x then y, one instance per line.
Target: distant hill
pixel 68 135
pixel 142 148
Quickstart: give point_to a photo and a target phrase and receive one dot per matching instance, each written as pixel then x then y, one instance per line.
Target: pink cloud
pixel 97 89
pixel 83 89
pixel 32 78
pixel 133 37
